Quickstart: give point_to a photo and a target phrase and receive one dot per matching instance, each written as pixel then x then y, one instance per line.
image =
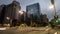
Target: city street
pixel 28 30
pixel 30 17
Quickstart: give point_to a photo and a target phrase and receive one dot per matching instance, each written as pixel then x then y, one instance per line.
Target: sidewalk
pixel 33 28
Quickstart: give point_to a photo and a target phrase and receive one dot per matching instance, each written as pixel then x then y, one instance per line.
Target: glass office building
pixel 33 10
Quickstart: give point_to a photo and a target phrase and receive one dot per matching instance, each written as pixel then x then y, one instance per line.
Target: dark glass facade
pixel 33 11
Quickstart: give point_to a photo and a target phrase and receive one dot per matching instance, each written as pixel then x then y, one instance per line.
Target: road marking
pixel 2 28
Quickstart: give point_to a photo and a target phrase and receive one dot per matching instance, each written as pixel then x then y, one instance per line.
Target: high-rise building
pixel 11 11
pixel 33 13
pixel 33 10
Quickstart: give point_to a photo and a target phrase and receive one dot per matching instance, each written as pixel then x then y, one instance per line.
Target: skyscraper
pixel 33 13
pixel 33 10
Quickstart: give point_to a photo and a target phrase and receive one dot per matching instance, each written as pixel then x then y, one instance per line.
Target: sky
pixel 44 6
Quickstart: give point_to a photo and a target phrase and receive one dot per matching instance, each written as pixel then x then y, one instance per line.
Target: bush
pixel 23 25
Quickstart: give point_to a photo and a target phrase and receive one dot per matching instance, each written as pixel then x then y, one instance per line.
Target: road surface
pixel 28 30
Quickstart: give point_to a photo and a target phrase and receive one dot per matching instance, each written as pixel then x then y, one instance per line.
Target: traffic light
pixel 57 21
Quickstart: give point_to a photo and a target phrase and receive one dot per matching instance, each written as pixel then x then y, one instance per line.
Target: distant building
pixel 22 16
pixel 44 20
pixel 32 11
pixel 11 11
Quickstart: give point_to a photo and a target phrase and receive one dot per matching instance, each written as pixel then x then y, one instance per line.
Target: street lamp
pixel 51 7
pixel 20 12
pixel 7 18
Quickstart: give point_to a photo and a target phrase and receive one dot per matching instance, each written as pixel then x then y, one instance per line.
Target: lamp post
pixel 53 7
pixel 53 3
